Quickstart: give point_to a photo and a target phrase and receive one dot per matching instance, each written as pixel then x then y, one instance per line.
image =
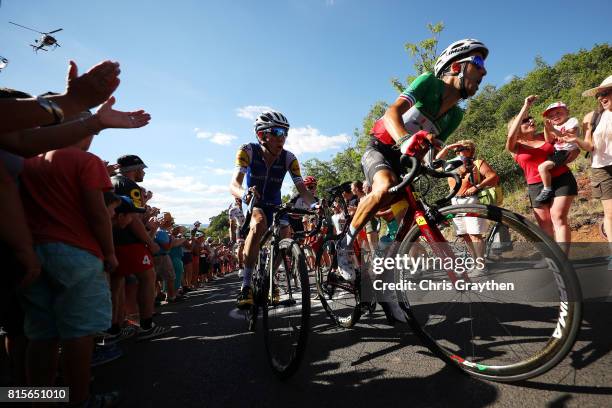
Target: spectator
pixel 82 92
pixel 598 140
pixel 557 126
pixel 476 175
pixel 176 255
pixel 163 263
pixel 529 150
pixel 134 246
pixel 64 204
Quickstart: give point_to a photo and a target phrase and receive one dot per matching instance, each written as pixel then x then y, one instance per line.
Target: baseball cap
pixel 127 206
pixel 552 106
pixel 130 162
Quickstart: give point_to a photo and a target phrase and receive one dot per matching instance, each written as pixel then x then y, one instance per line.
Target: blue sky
pixel 203 68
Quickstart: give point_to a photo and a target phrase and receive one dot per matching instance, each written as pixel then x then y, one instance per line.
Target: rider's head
pixel 463 61
pixel 310 183
pixel 272 128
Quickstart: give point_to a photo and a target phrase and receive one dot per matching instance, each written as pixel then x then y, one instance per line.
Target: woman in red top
pixel 529 149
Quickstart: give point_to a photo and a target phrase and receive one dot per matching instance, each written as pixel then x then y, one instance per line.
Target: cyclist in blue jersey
pixel 427 109
pixel 265 165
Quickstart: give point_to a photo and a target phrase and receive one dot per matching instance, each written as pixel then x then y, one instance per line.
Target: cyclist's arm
pixel 236 185
pixel 242 163
pixel 392 118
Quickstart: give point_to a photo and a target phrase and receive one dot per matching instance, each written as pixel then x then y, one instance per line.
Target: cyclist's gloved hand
pixel 415 145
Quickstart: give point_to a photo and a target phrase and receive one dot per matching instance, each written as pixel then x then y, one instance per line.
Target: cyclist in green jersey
pixel 427 108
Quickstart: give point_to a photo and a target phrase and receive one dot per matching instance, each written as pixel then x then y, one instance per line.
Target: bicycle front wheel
pixel 286 311
pixel 340 298
pixel 512 316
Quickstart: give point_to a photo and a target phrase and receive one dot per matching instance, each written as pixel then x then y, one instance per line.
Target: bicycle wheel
pixel 259 287
pixel 340 299
pixel 286 310
pixel 494 332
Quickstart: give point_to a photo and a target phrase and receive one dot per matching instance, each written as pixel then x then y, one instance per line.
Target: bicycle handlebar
pixel 417 168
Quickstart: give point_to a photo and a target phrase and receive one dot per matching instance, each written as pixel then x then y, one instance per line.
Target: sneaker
pixel 241 273
pixel 153 332
pixel 478 272
pixel 106 354
pixel 245 299
pixel 545 195
pixel 125 333
pixel 346 266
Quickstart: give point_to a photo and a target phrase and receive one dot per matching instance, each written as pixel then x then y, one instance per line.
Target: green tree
pixel 218 226
pixel 423 54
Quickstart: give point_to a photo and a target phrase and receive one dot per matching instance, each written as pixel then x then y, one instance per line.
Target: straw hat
pixel 607 83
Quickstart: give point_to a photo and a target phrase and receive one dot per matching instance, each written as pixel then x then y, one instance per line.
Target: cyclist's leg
pixel 257 227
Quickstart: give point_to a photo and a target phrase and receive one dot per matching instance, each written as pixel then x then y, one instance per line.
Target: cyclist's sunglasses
pixel 476 60
pixel 277 131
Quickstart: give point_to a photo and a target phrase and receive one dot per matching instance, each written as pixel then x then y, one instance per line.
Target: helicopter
pixel 3 62
pixel 45 41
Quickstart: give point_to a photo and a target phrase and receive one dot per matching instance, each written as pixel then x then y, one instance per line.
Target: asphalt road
pixel 211 360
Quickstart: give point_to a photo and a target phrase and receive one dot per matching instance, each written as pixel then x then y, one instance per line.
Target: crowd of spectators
pixel 86 259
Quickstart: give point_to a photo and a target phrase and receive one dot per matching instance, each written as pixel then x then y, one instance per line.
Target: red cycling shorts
pixel 133 258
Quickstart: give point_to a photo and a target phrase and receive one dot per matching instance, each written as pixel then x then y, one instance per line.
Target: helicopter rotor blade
pixel 55 31
pixel 27 28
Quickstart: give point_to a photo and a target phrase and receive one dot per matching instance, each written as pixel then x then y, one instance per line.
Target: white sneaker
pixel 241 273
pixel 346 266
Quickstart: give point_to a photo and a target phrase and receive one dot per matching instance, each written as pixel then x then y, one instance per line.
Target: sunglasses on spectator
pixel 527 120
pixel 476 60
pixel 601 94
pixel 277 131
pixel 311 187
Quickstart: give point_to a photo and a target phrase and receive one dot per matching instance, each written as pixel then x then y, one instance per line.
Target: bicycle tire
pixel 330 293
pixel 286 348
pixel 556 342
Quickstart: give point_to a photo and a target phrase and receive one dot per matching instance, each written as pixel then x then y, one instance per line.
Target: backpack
pixel 490 195
pixel 594 122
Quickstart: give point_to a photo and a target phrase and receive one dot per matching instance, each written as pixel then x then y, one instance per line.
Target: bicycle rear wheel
pixel 286 311
pixel 340 299
pixel 494 332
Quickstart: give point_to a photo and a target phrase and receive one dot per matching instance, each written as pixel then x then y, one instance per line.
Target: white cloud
pixel 509 78
pixel 310 140
pixel 169 182
pixel 187 198
pixel 215 137
pixel 219 171
pixel 252 111
pixel 168 166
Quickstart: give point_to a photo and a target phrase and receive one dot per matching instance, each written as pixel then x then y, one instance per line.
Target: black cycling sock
pixel 146 323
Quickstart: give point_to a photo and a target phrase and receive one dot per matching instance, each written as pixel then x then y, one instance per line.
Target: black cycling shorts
pixel 379 156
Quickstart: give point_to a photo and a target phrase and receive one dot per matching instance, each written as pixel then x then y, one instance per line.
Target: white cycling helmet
pixel 456 51
pixel 270 119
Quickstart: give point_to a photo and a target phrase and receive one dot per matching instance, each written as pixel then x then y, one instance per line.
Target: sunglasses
pixel 527 120
pixel 601 94
pixel 476 60
pixel 277 131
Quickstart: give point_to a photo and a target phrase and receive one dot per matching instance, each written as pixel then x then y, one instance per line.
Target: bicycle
pixel 502 339
pixel 281 290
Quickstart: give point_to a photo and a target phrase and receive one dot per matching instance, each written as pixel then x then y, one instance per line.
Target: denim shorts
pixel 71 298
